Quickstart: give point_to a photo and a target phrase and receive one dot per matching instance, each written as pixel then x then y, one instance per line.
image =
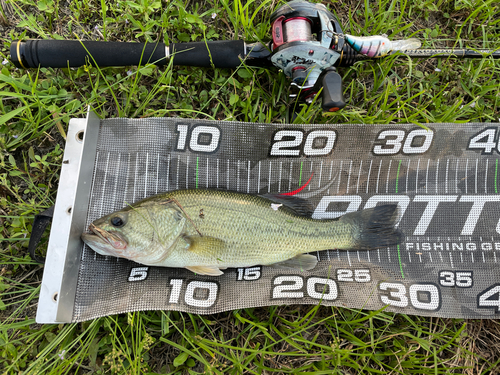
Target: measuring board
pixel 444 178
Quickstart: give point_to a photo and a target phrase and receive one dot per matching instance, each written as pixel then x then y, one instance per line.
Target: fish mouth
pixel 104 242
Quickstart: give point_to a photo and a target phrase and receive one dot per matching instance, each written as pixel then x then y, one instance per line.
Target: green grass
pixel 35 109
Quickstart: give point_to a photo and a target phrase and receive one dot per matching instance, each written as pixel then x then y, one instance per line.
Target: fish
pixel 379 46
pixel 208 231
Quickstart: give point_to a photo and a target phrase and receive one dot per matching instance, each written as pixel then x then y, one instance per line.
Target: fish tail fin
pixel 375 227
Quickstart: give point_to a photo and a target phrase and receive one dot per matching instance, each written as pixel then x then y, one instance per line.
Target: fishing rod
pixel 307 44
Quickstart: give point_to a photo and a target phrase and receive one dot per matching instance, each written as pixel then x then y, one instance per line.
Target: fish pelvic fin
pixel 302 262
pixel 374 227
pixel 206 270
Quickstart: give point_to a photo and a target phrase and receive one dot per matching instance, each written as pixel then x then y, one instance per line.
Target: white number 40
pixel 490 298
pixel 485 140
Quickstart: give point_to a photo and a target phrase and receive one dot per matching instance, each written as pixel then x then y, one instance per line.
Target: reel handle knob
pixel 333 98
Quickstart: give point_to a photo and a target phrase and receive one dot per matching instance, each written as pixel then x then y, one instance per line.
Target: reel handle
pixel 332 96
pixel 73 53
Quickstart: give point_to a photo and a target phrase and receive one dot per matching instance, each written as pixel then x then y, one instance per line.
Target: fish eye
pixel 117 221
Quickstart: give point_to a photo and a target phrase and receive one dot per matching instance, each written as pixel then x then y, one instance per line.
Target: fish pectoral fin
pixel 204 245
pixel 206 270
pixel 302 262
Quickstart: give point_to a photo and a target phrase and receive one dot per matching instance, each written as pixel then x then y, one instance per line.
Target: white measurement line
pixel 409 256
pixel 430 256
pixel 389 255
pixel 168 171
pixel 279 177
pixel 157 172
pixel 495 256
pixel 359 176
pixel 456 176
pixel 237 175
pixel 135 176
pixel 466 169
pixel 388 174
pixel 349 177
pixel 340 175
pixel 317 256
pixel 416 175
pixel 446 175
pixel 378 253
pixel 349 258
pixel 248 177
pixel 320 174
pixel 484 260
pixel 208 174
pixel 437 173
pixel 427 176
pixel 104 185
pixel 451 260
pixel 368 254
pixel 116 180
pixel 475 177
pixel 486 178
pixel 441 257
pixel 310 174
pixel 407 174
pixel 217 173
pixel 258 180
pixel 368 179
pixel 178 166
pixel 126 180
pixel 338 254
pixel 461 257
pixel 227 175
pixel 472 257
pixel 290 177
pixel 146 177
pixel 269 180
pixel 328 255
pixel 378 175
pixel 187 172
pixel 359 260
pixel 330 177
pixel 420 257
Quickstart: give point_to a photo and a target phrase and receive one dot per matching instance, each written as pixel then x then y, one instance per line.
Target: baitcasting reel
pixel 306 46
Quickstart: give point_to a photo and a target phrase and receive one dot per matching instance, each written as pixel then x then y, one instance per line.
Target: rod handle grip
pixel 49 53
pixel 219 54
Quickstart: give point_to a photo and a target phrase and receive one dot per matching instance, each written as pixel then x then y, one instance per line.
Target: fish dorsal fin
pixel 302 262
pixel 205 245
pixel 299 206
pixel 206 270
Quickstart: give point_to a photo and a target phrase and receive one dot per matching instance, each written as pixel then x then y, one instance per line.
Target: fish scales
pixel 254 231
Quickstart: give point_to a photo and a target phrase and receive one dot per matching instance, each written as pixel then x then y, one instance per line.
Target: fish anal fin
pixel 302 262
pixel 206 270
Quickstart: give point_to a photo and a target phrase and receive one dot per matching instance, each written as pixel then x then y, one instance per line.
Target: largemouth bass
pixel 207 231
